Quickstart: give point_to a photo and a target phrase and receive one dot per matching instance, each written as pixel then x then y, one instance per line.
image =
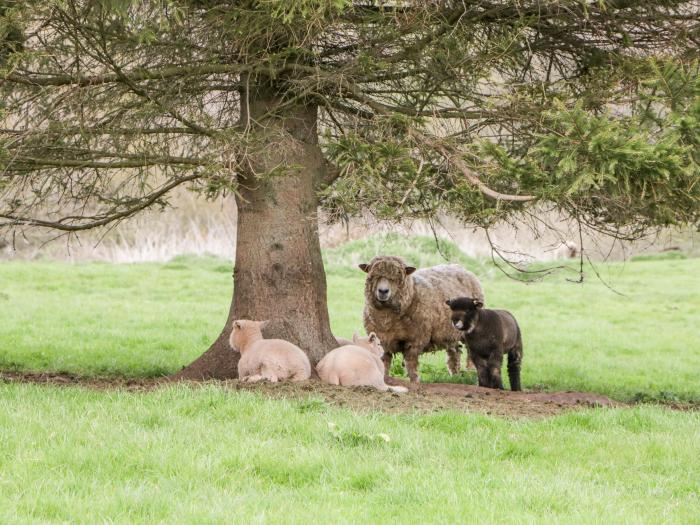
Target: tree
pixel 481 109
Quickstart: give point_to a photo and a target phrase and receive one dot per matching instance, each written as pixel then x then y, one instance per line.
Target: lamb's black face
pixel 464 312
pixel 462 319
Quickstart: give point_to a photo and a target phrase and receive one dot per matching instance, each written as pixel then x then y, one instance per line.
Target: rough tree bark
pixel 278 273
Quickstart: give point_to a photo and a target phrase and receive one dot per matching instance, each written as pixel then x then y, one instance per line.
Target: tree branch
pixel 473 178
pixel 76 130
pixel 133 163
pixel 60 225
pixel 133 76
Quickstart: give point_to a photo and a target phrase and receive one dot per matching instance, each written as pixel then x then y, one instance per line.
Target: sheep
pixel 270 359
pixel 406 309
pixel 489 334
pixel 566 250
pixel 356 364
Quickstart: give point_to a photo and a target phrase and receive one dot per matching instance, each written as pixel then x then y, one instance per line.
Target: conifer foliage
pixel 402 109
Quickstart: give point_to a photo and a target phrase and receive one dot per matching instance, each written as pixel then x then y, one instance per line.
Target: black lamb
pixel 489 334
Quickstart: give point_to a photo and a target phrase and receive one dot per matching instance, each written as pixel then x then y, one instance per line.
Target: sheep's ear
pixel 237 325
pixel 263 324
pixel 449 303
pixel 409 270
pixel 355 337
pixel 478 303
pixel 364 267
pixel 372 337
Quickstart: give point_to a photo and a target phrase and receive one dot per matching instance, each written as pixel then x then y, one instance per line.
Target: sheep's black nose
pixel 383 290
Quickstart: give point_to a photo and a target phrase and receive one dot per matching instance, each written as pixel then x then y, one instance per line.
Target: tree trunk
pixel 278 274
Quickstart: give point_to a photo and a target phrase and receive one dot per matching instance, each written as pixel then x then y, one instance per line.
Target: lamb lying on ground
pixel 489 334
pixel 270 359
pixel 356 364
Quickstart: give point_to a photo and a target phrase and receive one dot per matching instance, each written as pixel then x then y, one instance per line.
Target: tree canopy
pixel 478 109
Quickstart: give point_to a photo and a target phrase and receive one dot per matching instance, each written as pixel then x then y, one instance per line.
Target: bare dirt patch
pixel 65 379
pixel 437 396
pixel 425 397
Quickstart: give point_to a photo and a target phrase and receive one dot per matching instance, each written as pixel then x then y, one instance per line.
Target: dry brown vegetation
pixel 195 226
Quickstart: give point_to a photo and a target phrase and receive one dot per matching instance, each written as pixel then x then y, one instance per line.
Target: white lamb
pixel 270 359
pixel 358 364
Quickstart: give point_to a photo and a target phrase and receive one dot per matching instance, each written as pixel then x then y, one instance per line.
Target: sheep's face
pixel 464 312
pixel 385 279
pixel 383 289
pixel 243 330
pixel 371 343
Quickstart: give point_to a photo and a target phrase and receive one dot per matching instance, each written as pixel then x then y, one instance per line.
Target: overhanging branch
pixel 37 163
pixel 455 159
pixel 134 76
pixel 105 219
pixel 77 130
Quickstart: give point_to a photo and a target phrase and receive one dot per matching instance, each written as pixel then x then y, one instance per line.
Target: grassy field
pixel 207 454
pixel 152 319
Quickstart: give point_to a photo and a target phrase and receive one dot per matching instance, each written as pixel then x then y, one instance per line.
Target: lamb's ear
pixel 237 324
pixel 263 324
pixel 478 303
pixel 449 303
pixel 355 337
pixel 409 270
pixel 372 337
pixel 364 267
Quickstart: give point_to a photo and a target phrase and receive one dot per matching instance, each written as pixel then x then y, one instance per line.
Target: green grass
pixel 205 454
pixel 102 319
pixel 208 455
pixel 152 319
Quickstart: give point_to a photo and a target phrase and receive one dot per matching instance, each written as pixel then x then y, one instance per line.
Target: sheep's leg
pixel 410 357
pixel 515 359
pixel 253 379
pixel 482 371
pixel 299 376
pixel 387 357
pixel 470 361
pixel 495 362
pixel 333 379
pixel 454 355
pixel 269 375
